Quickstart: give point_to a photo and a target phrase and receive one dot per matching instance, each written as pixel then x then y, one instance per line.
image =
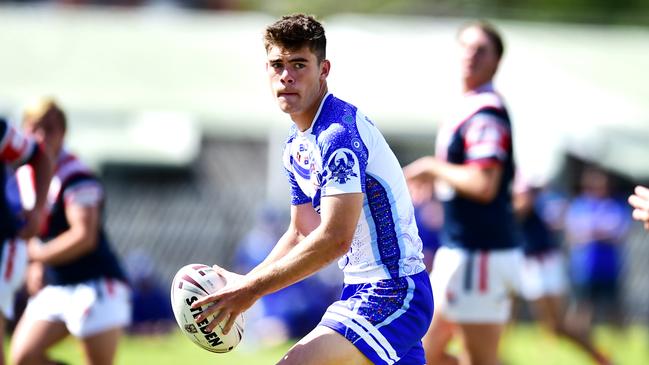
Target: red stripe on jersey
pixel 11 151
pixel 485 162
pixel 110 288
pixel 483 272
pixel 11 256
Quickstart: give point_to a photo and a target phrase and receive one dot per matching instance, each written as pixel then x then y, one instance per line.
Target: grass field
pixel 522 345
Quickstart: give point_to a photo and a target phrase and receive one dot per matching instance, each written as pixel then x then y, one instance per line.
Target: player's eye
pixel 276 65
pixel 299 66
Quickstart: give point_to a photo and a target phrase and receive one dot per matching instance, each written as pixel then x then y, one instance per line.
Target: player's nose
pixel 286 77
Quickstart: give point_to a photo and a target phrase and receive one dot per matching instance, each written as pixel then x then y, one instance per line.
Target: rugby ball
pixel 191 283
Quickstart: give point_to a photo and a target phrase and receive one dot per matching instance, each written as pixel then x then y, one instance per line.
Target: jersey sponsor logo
pixel 340 167
pixel 301 171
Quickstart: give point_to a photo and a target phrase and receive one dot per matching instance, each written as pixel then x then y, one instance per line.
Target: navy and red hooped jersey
pixel 15 150
pixel 73 183
pixel 481 134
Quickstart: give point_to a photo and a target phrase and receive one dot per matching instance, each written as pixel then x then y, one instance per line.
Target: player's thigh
pixel 32 338
pixel 481 342
pixel 99 349
pixel 549 310
pixel 437 337
pixel 324 346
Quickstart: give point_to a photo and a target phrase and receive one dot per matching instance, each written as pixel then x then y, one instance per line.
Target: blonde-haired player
pixel 78 285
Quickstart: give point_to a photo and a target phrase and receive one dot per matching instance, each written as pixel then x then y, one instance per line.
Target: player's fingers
pixel 209 299
pixel 215 322
pixel 640 215
pixel 641 191
pixel 638 202
pixel 207 312
pixel 229 324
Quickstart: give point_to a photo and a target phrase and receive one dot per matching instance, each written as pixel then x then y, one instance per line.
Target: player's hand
pixel 233 299
pixel 420 169
pixel 640 202
pixel 32 223
pixel 34 246
pixel 35 278
pixel 420 190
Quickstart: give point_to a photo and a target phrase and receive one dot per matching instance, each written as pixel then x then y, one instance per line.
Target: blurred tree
pixel 591 11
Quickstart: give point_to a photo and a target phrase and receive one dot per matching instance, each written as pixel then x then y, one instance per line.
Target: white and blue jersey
pixel 386 304
pixel 343 152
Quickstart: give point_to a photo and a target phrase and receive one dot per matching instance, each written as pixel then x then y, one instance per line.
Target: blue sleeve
pixel 297 195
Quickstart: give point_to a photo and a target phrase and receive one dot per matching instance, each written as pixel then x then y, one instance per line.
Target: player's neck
pixel 474 86
pixel 304 120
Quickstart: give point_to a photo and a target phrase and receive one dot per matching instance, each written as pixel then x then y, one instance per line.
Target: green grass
pixel 522 345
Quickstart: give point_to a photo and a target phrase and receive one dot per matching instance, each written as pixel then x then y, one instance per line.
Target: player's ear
pixel 325 66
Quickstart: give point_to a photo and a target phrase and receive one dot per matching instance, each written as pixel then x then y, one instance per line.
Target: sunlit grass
pixel 522 345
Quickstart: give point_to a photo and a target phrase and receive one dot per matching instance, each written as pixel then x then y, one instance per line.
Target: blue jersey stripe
pixel 372 229
pixel 383 219
pixel 404 306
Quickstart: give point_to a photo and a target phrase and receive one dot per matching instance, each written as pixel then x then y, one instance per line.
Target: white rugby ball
pixel 191 283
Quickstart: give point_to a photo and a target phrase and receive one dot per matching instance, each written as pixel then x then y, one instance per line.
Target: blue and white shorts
pixel 385 320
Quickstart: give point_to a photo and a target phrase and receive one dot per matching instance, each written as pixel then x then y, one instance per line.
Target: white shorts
pixel 543 275
pixel 475 286
pixel 13 267
pixel 86 309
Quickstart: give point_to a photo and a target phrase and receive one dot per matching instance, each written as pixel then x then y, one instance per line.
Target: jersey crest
pixel 340 167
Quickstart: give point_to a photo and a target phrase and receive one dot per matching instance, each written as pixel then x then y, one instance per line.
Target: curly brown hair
pixel 295 31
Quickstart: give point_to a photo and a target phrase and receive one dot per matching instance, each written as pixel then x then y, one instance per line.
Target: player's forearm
pixel 288 240
pixel 313 253
pixel 66 247
pixel 470 181
pixel 42 166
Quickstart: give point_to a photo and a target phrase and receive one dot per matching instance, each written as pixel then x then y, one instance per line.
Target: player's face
pixel 297 80
pixel 479 57
pixel 47 131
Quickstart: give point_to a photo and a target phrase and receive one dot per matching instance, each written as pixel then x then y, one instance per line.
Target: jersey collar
pixel 315 118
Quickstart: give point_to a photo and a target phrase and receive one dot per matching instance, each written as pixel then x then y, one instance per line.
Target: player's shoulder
pixel 69 166
pixel 485 100
pixel 337 117
pixel 335 111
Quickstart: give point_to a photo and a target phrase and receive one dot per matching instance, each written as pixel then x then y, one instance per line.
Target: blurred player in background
pixel 596 227
pixel 544 279
pixel 477 267
pixel 77 283
pixel 639 200
pixel 16 224
pixel 349 202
